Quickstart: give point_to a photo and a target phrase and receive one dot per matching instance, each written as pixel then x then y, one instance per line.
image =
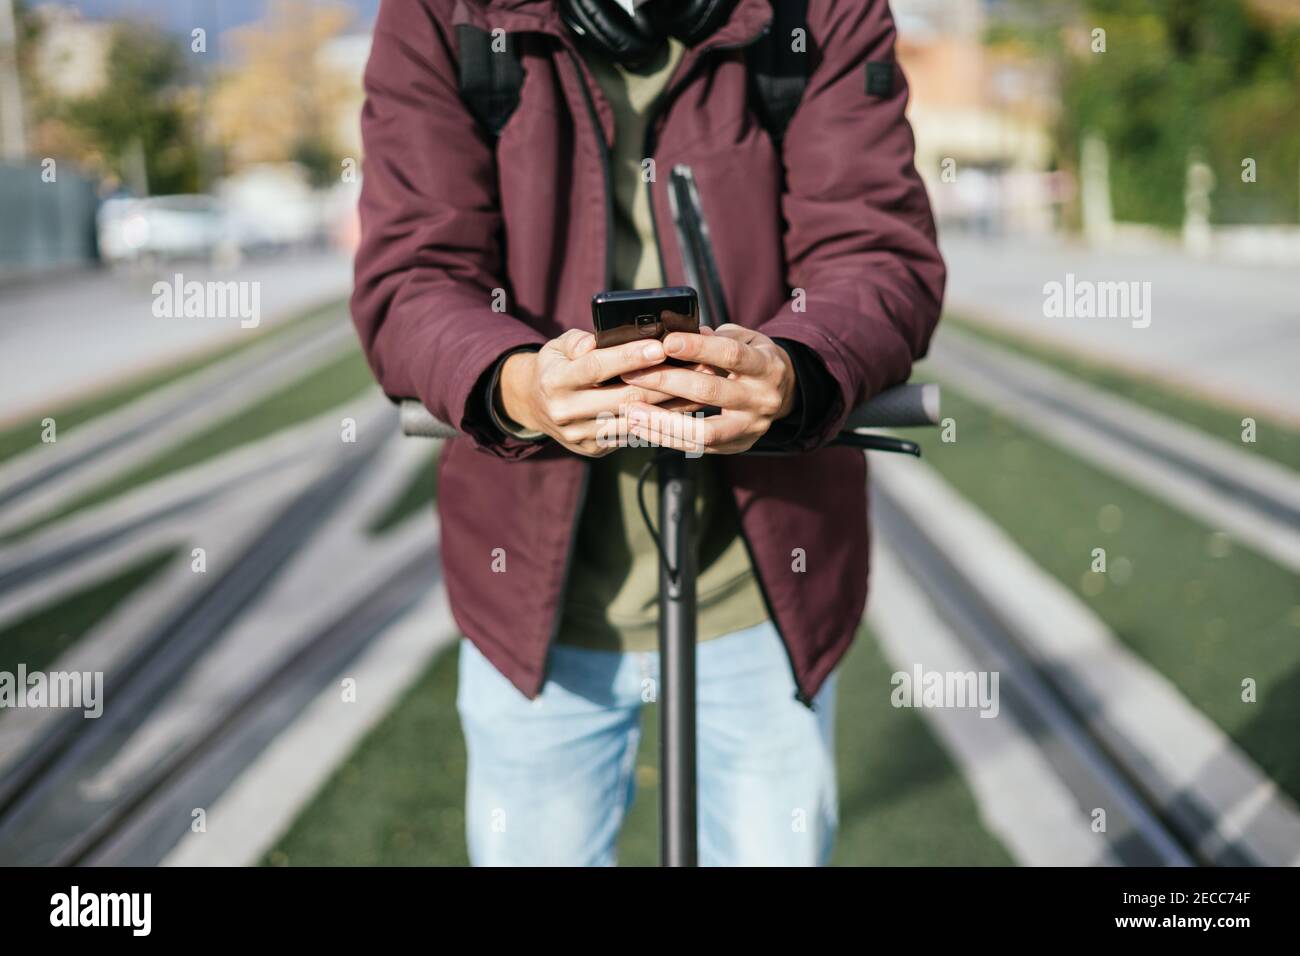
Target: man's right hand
pixel 558 389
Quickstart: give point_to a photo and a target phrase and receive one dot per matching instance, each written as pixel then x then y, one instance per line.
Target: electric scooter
pixel 897 407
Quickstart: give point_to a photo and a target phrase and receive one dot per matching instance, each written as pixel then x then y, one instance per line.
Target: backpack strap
pixel 778 73
pixel 490 80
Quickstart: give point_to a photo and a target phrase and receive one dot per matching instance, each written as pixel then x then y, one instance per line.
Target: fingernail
pixel 675 344
pixel 653 351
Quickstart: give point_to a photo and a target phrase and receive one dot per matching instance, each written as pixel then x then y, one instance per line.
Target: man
pixel 478 261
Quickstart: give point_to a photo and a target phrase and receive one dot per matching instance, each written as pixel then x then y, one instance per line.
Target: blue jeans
pixel 550 780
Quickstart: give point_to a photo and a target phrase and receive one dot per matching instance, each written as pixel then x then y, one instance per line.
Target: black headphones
pixel 632 39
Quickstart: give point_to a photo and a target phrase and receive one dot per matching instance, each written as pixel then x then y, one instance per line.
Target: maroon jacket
pixel 448 216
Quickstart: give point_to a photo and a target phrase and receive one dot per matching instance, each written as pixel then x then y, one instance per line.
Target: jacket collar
pixel 747 20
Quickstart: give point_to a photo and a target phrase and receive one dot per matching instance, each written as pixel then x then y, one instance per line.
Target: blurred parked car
pixel 163 227
pixel 272 207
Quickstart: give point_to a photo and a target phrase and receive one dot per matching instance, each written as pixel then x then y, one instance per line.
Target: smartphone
pixel 637 314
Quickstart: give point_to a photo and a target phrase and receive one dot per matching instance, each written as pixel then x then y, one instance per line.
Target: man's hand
pixel 754 386
pixel 558 390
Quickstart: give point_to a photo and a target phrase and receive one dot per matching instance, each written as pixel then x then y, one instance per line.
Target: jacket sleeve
pixel 429 259
pixel 860 238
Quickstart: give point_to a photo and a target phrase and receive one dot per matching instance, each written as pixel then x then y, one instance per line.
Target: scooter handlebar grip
pixel 902 406
pixel 418 421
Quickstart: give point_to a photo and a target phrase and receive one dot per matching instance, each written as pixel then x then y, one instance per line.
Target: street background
pixel 218 512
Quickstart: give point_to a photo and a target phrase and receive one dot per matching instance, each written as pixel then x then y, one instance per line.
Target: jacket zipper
pixel 800 693
pixel 585 483
pixel 674 86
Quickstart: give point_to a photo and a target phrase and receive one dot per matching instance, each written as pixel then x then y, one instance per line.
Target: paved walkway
pixel 1231 332
pixel 73 336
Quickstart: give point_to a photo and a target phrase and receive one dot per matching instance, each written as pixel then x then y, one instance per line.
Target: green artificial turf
pixel 1203 611
pixel 319 390
pixel 398 799
pixel 1273 440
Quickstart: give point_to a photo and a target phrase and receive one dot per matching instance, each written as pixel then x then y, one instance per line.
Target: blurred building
pixel 71 57
pixel 345 56
pixel 982 119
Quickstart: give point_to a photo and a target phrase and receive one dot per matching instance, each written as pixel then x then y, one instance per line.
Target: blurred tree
pixel 1215 78
pixel 20 31
pixel 279 103
pixel 28 28
pixel 138 127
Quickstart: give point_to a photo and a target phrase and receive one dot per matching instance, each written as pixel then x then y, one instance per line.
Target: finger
pixel 684 432
pixel 697 367
pixel 707 369
pixel 702 387
pixel 574 343
pixel 605 432
pixel 720 350
pixel 600 365
pixel 709 330
pixel 700 366
pixel 666 429
pixel 591 448
pixel 680 405
pixel 584 403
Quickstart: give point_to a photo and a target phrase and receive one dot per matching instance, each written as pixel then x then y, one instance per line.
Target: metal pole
pixel 677 809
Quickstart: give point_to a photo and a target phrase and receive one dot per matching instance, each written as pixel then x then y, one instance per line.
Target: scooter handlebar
pixel 418 421
pixel 902 406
